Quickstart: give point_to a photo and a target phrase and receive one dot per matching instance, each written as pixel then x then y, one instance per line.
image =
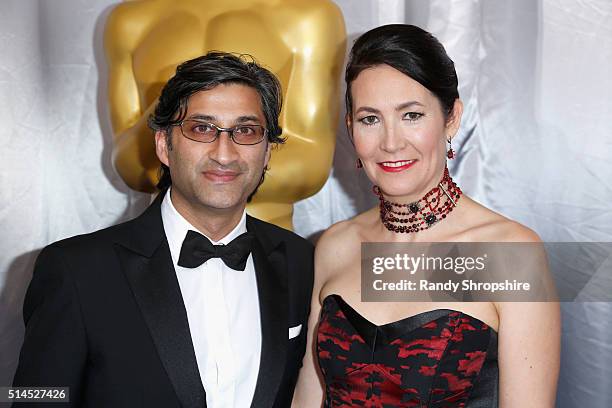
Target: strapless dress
pixel 441 358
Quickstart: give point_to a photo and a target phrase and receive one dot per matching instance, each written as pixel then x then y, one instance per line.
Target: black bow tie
pixel 197 249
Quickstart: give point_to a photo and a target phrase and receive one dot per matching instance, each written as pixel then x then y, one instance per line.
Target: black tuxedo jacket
pixel 104 316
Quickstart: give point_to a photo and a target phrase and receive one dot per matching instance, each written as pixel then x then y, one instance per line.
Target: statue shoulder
pixel 321 20
pixel 128 22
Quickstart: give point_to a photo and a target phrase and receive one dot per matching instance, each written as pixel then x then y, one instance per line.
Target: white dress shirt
pixel 223 312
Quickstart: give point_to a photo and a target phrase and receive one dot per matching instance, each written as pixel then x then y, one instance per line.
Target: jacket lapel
pixel 269 259
pixel 147 264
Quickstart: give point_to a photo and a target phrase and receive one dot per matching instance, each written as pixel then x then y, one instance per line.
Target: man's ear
pixel 454 119
pixel 161 146
pixel 268 154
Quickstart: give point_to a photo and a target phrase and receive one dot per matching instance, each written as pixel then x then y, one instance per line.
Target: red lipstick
pixel 396 166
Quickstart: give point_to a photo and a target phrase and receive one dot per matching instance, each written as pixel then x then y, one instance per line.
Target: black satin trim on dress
pixel 375 335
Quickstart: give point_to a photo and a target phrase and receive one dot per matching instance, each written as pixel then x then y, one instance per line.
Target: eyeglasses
pixel 205 132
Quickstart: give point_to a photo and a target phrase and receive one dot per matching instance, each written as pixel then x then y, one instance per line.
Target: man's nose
pixel 224 150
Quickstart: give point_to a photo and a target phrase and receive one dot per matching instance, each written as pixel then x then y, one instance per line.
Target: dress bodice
pixel 441 358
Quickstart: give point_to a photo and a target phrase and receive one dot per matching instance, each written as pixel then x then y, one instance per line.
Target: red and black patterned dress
pixel 440 359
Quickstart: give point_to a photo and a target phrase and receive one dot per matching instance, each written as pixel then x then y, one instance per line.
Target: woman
pixel 403 108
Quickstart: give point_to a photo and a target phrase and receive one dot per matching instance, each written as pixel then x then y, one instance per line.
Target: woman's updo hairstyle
pixel 412 51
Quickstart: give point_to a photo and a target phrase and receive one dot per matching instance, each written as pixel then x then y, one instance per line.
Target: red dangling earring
pixel 358 163
pixel 450 153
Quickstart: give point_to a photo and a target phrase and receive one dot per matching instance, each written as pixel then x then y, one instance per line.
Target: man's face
pixel 222 174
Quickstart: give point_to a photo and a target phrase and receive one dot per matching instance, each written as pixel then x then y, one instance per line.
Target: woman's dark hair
pixel 412 51
pixel 204 73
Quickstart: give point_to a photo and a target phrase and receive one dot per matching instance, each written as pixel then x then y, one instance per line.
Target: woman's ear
pixel 349 126
pixel 454 119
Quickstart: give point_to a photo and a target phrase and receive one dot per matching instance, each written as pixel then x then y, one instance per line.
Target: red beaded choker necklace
pixel 421 214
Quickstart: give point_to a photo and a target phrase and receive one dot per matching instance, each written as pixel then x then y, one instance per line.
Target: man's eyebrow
pixel 240 119
pixel 208 118
pixel 248 118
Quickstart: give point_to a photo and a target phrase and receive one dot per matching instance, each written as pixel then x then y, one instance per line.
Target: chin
pixel 219 201
pixel 396 191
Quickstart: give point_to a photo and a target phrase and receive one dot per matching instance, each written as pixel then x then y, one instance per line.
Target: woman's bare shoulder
pixel 342 241
pixel 343 234
pixel 484 224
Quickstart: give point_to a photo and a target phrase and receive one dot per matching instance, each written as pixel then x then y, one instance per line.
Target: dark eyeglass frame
pixel 220 130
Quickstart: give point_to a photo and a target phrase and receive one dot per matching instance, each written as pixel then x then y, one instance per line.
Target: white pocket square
pixel 295 331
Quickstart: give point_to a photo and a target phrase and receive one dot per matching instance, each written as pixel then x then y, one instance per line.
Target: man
pixel 193 303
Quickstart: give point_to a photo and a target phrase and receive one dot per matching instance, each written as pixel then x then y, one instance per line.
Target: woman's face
pixel 400 132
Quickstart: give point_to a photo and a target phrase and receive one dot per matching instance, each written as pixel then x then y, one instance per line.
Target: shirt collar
pixel 176 227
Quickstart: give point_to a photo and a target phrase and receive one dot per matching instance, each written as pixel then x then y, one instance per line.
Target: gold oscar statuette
pixel 301 41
